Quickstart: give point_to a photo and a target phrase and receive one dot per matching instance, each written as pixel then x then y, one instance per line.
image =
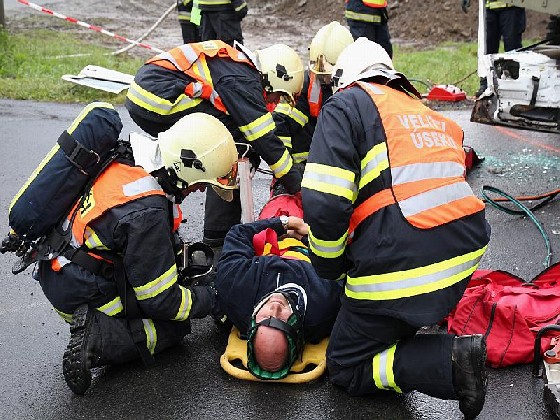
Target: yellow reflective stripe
pixel 283 165
pixel 492 4
pixel 241 6
pixel 416 281
pixel 66 317
pixel 287 141
pixel 92 241
pixel 34 174
pixel 330 180
pixel 185 16
pixel 186 305
pixel 258 128
pixel 55 148
pixel 327 249
pixel 293 113
pixel 151 335
pixel 299 117
pixel 112 308
pixel 200 67
pixel 375 161
pixel 283 108
pixel 86 111
pixel 341 277
pixel 147 100
pixel 382 368
pixel 362 16
pixel 300 157
pixel 157 286
pixel 214 2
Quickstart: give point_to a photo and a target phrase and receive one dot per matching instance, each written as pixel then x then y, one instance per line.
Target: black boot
pixel 81 352
pixel 469 373
pixel 482 87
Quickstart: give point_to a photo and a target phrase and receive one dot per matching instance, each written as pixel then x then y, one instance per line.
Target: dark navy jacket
pixel 243 279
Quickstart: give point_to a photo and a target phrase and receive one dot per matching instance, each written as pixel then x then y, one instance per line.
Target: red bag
pixel 283 204
pixel 509 312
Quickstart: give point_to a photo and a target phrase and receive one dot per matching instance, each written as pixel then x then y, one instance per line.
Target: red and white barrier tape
pixel 88 26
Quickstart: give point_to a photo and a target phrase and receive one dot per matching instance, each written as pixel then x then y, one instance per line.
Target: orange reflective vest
pixel 116 186
pixel 191 60
pixel 314 95
pixel 375 3
pixel 427 164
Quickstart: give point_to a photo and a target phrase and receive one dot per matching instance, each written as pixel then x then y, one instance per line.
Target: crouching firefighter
pixel 116 282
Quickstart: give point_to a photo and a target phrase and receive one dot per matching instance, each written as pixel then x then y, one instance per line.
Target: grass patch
pixel 32 63
pixel 446 64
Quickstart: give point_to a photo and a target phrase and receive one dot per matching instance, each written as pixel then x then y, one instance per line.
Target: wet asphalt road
pixel 187 381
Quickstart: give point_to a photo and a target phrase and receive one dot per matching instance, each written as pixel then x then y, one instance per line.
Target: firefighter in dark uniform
pixel 265 274
pixel 368 18
pixel 225 82
pixel 390 212
pixel 502 21
pixel 128 221
pixel 221 19
pixel 295 125
pixel 189 29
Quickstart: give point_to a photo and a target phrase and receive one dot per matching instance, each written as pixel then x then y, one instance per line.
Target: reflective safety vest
pixel 266 243
pixel 314 95
pixel 191 60
pixel 427 165
pixel 116 186
pixel 375 3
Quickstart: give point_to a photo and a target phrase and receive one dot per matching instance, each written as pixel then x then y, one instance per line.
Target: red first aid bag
pixel 283 204
pixel 509 312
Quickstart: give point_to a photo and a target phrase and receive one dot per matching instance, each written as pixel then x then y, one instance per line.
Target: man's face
pixel 277 306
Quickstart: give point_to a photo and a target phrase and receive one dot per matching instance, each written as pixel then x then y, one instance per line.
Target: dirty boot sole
pixel 74 363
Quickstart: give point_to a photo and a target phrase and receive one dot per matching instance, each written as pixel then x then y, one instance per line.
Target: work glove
pixel 292 180
pixel 465 4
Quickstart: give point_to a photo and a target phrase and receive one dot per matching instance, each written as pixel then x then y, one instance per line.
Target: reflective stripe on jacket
pixel 191 60
pixel 495 4
pixel 184 8
pixel 362 11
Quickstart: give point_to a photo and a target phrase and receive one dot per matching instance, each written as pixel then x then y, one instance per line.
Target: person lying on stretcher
pixel 268 289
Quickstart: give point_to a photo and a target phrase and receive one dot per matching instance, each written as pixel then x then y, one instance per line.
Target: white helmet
pixel 199 149
pixel 326 46
pixel 282 69
pixel 359 61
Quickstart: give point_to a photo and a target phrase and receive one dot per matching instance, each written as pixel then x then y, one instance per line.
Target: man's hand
pixel 465 4
pixel 297 228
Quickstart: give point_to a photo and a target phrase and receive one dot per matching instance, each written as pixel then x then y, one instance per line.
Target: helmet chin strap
pixel 167 179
